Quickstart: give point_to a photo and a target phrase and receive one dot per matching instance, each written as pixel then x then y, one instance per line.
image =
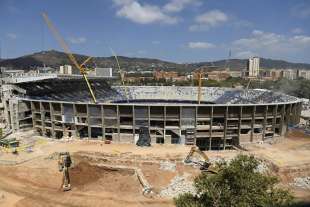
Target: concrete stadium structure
pixel 225 117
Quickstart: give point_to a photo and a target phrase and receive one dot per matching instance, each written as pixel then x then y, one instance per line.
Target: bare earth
pixel 31 178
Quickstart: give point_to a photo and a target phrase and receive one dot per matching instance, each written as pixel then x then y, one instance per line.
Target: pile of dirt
pixel 91 177
pixel 297 133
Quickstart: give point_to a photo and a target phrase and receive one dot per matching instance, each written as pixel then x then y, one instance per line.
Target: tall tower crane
pixel 66 49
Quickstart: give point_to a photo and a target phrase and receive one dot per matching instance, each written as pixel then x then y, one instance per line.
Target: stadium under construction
pixel 224 118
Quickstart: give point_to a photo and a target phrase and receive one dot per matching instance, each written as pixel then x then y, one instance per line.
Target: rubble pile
pixel 302 182
pixel 178 185
pixel 262 167
pixel 167 166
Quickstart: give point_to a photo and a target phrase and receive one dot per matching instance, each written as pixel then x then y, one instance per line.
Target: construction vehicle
pixel 9 143
pixel 64 163
pixel 205 164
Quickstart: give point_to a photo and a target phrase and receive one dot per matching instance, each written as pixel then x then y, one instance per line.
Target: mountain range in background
pixel 54 59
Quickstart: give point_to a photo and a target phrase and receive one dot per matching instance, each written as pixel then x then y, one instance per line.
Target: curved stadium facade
pixel 226 117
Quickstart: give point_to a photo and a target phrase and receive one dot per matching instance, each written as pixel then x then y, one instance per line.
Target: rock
pixel 178 185
pixel 302 182
pixel 167 166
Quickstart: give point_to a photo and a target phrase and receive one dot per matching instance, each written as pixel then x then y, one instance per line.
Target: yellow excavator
pixel 204 163
pixel 64 163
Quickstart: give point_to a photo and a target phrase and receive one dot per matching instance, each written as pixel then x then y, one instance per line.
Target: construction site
pixel 78 141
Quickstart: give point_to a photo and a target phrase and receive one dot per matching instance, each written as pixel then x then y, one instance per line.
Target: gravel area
pixel 302 182
pixel 167 166
pixel 178 185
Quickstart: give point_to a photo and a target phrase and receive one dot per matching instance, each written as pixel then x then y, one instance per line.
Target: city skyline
pixel 173 30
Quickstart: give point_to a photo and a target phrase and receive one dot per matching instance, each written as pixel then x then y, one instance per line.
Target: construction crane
pixel 64 163
pixel 121 73
pixel 66 49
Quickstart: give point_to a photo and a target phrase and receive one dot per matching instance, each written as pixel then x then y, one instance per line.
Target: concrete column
pixel 74 124
pixel 165 116
pixel 102 122
pixel 265 121
pixel 253 123
pixel 274 120
pixel 149 118
pixel 7 116
pixel 225 127
pixel 42 112
pixel 133 121
pixel 88 122
pixel 282 131
pixel 52 122
pixel 299 109
pixel 289 115
pixel 11 117
pixel 180 123
pixel 32 113
pixel 296 113
pixel 239 124
pixel 196 117
pixel 118 123
pixel 210 129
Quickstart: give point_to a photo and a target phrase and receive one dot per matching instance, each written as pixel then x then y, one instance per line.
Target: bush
pixel 237 184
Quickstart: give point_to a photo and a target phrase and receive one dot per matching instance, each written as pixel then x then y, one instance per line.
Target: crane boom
pixel 120 72
pixel 66 49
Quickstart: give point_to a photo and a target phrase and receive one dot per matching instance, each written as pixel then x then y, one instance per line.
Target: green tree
pixel 237 184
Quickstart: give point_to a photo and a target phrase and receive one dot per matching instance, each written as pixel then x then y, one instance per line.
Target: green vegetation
pixel 237 184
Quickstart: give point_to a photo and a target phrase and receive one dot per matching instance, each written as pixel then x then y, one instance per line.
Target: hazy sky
pixel 175 30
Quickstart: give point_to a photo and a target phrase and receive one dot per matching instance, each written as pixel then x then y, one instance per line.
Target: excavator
pixel 205 164
pixel 64 163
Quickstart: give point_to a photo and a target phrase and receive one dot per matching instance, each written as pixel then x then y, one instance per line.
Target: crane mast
pixel 66 49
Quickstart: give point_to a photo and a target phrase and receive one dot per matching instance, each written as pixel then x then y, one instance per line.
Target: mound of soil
pixel 87 177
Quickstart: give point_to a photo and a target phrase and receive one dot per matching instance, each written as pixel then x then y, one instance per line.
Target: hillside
pixel 54 59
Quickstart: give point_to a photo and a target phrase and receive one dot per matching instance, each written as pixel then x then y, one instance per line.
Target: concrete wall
pixel 209 126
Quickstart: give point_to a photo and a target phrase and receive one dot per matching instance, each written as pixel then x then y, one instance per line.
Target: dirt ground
pixel 31 178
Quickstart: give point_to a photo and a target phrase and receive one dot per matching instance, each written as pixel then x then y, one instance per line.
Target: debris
pixel 178 185
pixel 262 167
pixel 53 156
pixel 302 182
pixel 167 166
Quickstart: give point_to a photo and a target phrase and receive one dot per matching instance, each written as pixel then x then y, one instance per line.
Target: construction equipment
pixel 66 49
pixel 205 165
pixel 9 143
pixel 200 75
pixel 144 137
pixel 64 163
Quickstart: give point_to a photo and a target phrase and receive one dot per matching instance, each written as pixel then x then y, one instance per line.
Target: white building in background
pixel 253 67
pixel 303 74
pixel 65 69
pixel 104 72
pixel 290 74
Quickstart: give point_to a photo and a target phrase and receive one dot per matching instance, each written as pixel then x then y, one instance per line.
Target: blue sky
pixel 174 30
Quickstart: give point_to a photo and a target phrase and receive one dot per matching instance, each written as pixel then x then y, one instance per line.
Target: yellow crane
pixel 66 49
pixel 121 73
